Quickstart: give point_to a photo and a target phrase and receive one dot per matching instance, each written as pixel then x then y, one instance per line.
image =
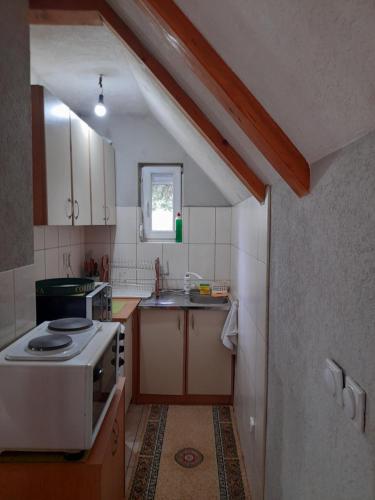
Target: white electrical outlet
pixel 354 398
pixel 334 380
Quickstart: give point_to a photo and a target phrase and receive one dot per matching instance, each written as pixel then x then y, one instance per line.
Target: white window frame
pixel 147 170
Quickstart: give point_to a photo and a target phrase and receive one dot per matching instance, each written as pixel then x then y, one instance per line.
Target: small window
pixel 160 201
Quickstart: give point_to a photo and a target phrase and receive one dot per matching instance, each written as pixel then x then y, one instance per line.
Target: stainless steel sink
pixel 196 298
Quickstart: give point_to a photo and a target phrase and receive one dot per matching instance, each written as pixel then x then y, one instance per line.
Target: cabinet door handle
pixel 192 322
pixel 68 204
pixel 179 323
pixel 105 215
pixel 76 204
pixel 108 210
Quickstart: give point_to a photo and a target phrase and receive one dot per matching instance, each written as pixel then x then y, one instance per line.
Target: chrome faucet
pixel 157 277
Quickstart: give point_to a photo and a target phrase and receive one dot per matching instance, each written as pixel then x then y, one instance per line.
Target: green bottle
pixel 178 228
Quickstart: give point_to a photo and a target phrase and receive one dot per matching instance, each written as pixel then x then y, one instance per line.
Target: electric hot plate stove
pixel 57 340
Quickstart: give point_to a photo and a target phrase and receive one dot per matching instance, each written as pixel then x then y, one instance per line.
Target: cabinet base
pixel 184 399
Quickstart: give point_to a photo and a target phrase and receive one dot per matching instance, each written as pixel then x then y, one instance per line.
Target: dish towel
pixel 230 328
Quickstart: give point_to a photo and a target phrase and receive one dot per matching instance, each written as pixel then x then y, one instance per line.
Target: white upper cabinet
pixel 110 183
pixel 97 179
pixel 73 167
pixel 57 161
pixel 80 171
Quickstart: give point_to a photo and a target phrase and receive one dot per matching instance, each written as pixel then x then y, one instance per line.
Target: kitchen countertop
pixel 178 300
pixel 122 309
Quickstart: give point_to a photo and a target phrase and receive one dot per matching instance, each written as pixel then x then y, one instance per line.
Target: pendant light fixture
pixel 100 109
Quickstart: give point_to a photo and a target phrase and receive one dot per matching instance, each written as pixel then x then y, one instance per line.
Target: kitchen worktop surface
pixel 172 299
pixel 122 309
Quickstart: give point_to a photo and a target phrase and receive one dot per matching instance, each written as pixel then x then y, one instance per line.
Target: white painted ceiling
pixel 69 60
pixel 310 63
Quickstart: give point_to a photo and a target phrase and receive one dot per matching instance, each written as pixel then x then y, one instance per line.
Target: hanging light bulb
pixel 100 109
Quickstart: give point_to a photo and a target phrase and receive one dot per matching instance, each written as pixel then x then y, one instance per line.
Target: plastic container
pixel 178 228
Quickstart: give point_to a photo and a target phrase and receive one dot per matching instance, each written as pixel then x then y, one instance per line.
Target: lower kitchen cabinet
pixel 99 476
pixel 162 352
pixel 209 366
pixel 181 357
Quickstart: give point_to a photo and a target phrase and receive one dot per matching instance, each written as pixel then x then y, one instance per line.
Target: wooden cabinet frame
pixel 185 398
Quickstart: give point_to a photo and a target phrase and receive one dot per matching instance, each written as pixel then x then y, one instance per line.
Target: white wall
pixel 140 139
pixel 205 248
pixel 322 292
pixel 249 281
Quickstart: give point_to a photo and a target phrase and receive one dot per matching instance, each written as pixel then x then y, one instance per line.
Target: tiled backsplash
pixel 52 247
pixel 17 286
pixel 205 248
pixel 249 280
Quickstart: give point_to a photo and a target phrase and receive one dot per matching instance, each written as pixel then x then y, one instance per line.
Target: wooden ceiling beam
pixel 230 91
pixel 73 12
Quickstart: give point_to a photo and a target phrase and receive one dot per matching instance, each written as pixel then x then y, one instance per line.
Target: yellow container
pixel 204 289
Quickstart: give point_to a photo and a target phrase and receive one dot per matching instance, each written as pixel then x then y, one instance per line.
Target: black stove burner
pixel 70 325
pixel 49 342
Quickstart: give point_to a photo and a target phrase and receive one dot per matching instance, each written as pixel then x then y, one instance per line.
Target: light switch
pixel 354 403
pixel 334 380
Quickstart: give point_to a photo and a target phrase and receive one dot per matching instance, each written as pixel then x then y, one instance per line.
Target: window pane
pixel 162 202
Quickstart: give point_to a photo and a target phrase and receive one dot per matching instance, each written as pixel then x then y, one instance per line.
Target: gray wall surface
pixel 142 140
pixel 322 304
pixel 16 229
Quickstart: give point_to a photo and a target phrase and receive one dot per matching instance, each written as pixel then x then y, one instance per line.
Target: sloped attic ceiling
pixel 311 64
pixel 172 118
pixel 69 58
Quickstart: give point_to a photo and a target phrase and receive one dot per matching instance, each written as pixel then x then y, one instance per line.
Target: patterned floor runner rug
pixel 189 453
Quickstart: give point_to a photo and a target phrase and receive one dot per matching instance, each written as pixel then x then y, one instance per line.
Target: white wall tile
pixel 125 257
pixel 64 255
pixel 202 260
pixel 262 229
pixel 97 250
pixel 38 237
pixel 24 297
pixel 172 284
pixel 75 235
pixel 7 310
pixel 185 224
pixel 125 230
pixel 146 255
pixel 97 234
pixel 175 259
pixel 64 235
pixel 51 237
pixel 260 397
pixel 222 262
pixel 223 224
pixel 39 265
pixel 52 263
pixel 201 225
pixel 76 260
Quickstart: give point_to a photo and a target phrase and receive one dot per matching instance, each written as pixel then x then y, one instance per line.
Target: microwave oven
pixel 95 305
pixel 50 401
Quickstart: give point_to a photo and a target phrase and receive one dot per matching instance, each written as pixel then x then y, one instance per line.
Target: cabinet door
pixel 110 183
pixel 161 352
pixel 209 362
pixel 80 171
pixel 113 469
pixel 58 163
pixel 97 179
